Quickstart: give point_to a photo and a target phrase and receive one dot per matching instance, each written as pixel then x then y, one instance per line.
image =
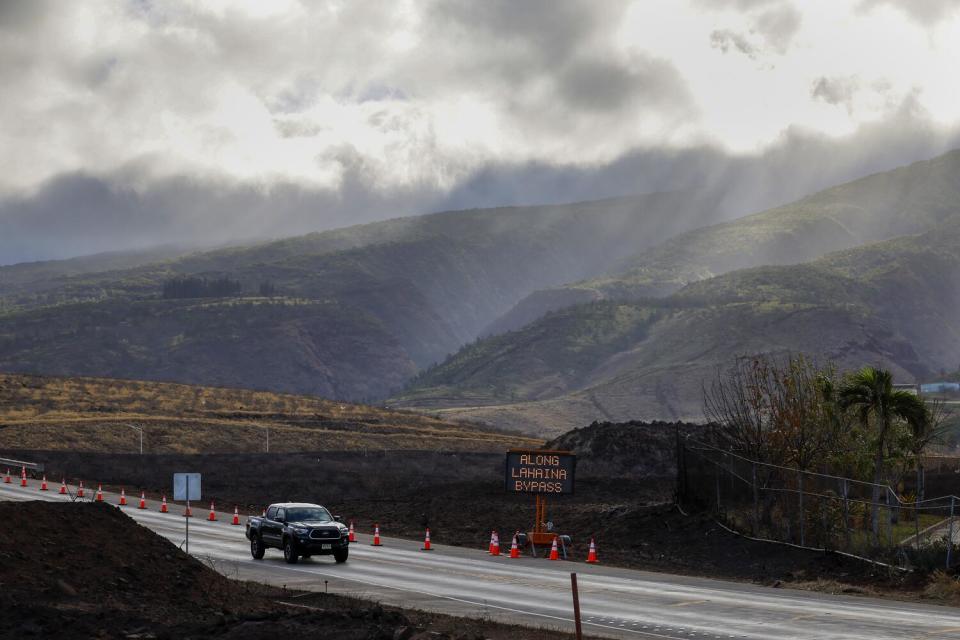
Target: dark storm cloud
pixel 76 214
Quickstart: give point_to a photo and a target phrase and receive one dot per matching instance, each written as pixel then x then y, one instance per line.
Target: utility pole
pixel 140 431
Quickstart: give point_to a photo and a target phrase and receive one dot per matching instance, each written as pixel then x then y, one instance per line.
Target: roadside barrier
pixel 554 552
pixel 213 514
pixel 353 536
pixel 376 536
pixel 23 476
pixel 123 497
pixel 63 487
pixel 426 541
pixel 6 478
pixel 80 490
pixel 514 549
pixel 592 554
pixel 236 516
pixel 43 483
pixel 143 500
pixel 163 505
pixel 99 493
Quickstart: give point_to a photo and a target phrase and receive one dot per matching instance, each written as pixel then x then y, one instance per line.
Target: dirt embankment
pixel 624 499
pixel 88 571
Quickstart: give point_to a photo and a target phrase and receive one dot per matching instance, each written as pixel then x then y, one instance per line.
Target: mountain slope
pixel 886 205
pixel 896 303
pixel 350 313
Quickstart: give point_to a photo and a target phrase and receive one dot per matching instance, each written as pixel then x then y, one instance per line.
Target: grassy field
pixel 93 414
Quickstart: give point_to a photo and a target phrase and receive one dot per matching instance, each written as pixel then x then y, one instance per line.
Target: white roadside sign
pixel 186 486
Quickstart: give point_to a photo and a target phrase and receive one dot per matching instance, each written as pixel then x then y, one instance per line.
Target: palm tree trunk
pixel 875 516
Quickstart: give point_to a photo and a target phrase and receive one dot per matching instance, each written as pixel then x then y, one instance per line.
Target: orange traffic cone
pixel 43 484
pixel 187 512
pixel 264 514
pixel 213 514
pixel 490 546
pixel 376 536
pixel 63 487
pixel 99 493
pixel 163 505
pixel 80 490
pixel 496 544
pixel 23 476
pixel 236 515
pixel 426 541
pixel 123 497
pixel 143 500
pixel 514 549
pixel 6 478
pixel 554 552
pixel 352 537
pixel 592 554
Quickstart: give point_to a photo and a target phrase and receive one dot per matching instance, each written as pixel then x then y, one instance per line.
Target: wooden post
pixel 950 534
pixel 576 606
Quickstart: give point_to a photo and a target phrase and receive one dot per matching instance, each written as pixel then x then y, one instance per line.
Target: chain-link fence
pixel 820 511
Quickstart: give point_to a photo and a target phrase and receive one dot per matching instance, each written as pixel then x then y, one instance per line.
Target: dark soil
pixel 624 500
pixel 72 570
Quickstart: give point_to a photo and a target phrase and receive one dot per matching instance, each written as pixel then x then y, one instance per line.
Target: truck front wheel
pixel 289 552
pixel 341 556
pixel 256 547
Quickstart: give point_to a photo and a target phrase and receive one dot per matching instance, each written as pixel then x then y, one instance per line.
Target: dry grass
pixel 943 587
pixel 90 414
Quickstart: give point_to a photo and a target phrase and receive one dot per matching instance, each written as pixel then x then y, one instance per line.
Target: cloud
pixel 925 12
pixel 76 214
pixel 836 91
pixel 770 30
pixel 208 121
pixel 778 26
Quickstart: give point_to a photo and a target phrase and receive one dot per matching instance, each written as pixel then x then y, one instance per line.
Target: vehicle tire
pixel 256 548
pixel 290 552
pixel 341 556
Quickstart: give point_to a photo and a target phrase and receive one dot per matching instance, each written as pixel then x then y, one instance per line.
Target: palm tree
pixel 870 393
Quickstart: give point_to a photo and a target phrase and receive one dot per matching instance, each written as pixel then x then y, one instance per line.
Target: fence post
pixel 800 493
pixel 950 533
pixel 890 507
pixel 717 468
pixel 756 502
pixel 845 490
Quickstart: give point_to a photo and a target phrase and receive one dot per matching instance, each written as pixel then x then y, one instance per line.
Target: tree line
pixel 793 413
pixel 194 287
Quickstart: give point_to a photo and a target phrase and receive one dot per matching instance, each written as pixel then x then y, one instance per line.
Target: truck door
pixel 270 530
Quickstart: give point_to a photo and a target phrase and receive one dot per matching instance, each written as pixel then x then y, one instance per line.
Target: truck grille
pixel 325 534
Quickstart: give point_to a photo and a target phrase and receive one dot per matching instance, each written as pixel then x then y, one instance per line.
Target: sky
pixel 127 124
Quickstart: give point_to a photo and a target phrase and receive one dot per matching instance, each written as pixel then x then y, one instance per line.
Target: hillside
pixel 895 303
pixel 882 206
pixel 92 414
pixel 351 313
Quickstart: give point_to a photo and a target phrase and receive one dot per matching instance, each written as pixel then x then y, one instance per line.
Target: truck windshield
pixel 308 514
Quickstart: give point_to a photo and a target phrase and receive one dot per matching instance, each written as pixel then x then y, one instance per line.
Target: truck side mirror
pixel 337 518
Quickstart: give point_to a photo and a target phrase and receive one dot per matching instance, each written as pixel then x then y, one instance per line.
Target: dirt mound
pixel 635 449
pixel 86 570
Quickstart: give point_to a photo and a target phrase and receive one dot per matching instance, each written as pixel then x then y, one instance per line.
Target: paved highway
pixel 616 603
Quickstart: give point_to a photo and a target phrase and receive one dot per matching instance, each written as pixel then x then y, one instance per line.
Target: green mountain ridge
pixel 878 207
pixel 417 289
pixel 895 303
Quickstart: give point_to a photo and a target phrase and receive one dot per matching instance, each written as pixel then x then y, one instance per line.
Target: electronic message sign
pixel 539 471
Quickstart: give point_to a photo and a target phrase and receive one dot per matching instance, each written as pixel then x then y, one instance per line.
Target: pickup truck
pixel 301 530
